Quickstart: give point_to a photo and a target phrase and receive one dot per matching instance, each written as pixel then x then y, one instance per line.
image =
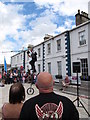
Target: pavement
pixel 83 90
pixel 4 96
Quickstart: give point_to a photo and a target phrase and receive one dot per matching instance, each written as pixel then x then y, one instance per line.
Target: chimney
pixel 47 37
pixel 81 17
pixel 77 18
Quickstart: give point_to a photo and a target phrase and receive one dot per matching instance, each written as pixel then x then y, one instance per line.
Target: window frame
pixel 82 40
pixel 49 67
pixel 39 68
pixel 48 48
pixel 59 45
pixel 59 67
pixel 84 67
pixel 39 52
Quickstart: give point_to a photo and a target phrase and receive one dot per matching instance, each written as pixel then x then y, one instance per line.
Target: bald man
pixel 48 105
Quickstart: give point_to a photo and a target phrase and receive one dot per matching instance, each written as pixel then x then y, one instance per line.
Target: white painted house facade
pixel 80 50
pixel 57 54
pixel 52 58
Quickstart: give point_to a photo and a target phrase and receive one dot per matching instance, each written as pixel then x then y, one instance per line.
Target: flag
pixel 5 65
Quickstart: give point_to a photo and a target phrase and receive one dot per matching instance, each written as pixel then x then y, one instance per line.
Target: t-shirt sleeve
pixel 70 111
pixel 74 114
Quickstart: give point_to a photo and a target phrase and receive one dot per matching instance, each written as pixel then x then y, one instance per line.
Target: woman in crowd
pixel 12 109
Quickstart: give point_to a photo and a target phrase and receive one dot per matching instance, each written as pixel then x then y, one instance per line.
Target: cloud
pixel 68 24
pixel 10 20
pixel 6 47
pixel 61 28
pixel 19 29
pixel 39 27
pixel 64 7
pixel 16 0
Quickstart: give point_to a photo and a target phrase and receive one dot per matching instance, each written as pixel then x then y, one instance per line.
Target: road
pixel 84 89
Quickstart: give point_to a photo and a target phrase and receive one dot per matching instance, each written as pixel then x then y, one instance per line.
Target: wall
pixel 89 9
pixel 55 55
pixel 15 62
pixel 89 49
pixel 39 59
pixel 78 52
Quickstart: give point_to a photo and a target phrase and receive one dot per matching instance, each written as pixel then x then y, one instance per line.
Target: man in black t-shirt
pixel 48 105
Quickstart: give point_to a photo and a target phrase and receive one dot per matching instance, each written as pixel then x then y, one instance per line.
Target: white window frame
pixel 59 66
pixel 49 48
pixel 14 59
pixel 82 40
pixel 84 66
pixel 49 67
pixel 39 68
pixel 59 45
pixel 39 52
pixel 21 57
pixel 17 58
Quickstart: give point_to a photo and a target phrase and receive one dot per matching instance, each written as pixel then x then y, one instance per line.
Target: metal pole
pixel 77 91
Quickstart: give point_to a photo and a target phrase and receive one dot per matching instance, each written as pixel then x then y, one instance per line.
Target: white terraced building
pixel 56 54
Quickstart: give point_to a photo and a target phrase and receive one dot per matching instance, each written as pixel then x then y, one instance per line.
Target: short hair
pixel 16 93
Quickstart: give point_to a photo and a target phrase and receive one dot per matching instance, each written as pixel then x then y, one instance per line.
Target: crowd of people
pixel 16 75
pixel 47 105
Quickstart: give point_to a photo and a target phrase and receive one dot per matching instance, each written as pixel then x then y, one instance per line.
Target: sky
pixel 24 22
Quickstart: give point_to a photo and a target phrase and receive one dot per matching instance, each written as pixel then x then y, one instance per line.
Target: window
pixel 82 39
pixel 59 66
pixel 49 67
pixel 17 58
pixel 38 52
pixel 21 57
pixel 49 48
pixel 84 67
pixel 58 44
pixel 11 61
pixel 39 68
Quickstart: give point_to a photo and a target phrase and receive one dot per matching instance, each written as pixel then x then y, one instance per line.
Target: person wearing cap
pixel 48 105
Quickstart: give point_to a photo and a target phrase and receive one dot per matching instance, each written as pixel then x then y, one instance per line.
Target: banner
pixel 5 65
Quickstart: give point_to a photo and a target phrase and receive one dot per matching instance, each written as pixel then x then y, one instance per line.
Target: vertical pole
pixel 24 59
pixel 43 57
pixel 77 91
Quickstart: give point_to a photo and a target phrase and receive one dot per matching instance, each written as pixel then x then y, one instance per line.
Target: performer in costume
pixel 33 55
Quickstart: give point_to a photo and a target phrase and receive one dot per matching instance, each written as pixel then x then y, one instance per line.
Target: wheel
pixel 30 91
